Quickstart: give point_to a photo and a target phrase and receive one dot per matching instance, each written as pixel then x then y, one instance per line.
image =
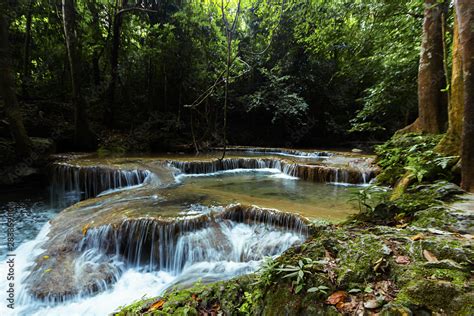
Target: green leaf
pixel 354 291
pixel 298 288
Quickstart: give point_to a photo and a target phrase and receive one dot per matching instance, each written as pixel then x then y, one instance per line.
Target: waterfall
pixel 152 244
pixel 216 245
pixel 200 167
pixel 278 151
pixel 352 174
pixel 115 264
pixel 71 183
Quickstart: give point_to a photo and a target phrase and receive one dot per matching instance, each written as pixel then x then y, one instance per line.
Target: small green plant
pixel 266 272
pixel 299 272
pixel 250 299
pixel 416 154
pixel 321 289
pixel 369 197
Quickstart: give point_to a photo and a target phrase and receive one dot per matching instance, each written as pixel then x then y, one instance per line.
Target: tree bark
pixel 84 138
pixel 97 38
pixel 432 114
pixel 465 14
pixel 26 80
pixel 114 57
pixel 7 90
pixel 451 142
pixel 229 31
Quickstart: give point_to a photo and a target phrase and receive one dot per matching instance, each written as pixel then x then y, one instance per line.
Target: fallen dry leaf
pixel 402 260
pixel 429 256
pixel 385 288
pixel 336 297
pixel 328 255
pixel 156 306
pixel 378 264
pixel 85 228
pixel 340 305
pixel 195 298
pixel 417 237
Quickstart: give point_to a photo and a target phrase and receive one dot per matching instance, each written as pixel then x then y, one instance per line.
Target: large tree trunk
pixel 7 90
pixel 114 57
pixel 431 77
pixel 84 138
pixel 451 142
pixel 465 14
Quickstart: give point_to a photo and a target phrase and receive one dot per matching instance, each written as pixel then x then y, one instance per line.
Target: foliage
pixel 300 70
pixel 416 154
pixel 267 271
pixel 298 273
pixel 321 289
pixel 369 197
pixel 404 208
pixel 421 197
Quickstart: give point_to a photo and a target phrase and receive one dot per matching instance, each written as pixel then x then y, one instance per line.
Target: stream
pixel 113 231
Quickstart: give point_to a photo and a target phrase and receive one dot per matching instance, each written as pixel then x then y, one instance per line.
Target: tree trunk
pixel 229 31
pixel 451 142
pixel 7 91
pixel 26 80
pixel 97 38
pixel 431 76
pixel 114 57
pixel 84 138
pixel 465 14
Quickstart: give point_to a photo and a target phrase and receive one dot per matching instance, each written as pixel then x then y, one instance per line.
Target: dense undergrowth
pixel 412 254
pixel 416 154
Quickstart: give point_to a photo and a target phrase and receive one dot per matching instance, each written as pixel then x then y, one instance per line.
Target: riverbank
pixel 406 252
pixel 351 268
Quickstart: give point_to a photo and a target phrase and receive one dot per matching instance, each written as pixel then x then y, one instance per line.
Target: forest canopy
pixel 301 73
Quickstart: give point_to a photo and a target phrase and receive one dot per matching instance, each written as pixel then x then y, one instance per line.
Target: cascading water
pixel 108 251
pixel 151 245
pixel 280 152
pixel 146 256
pixel 353 174
pixel 71 184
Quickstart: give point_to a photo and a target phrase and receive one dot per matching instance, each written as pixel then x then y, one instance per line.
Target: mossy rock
pixel 448 248
pixel 395 310
pixel 435 295
pixel 445 219
pixel 435 217
pixel 463 305
pixel 358 259
pixel 436 286
pixel 279 300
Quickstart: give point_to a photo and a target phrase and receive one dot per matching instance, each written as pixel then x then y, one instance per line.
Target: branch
pixel 136 9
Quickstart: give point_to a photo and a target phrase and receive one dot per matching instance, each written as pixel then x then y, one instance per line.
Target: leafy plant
pixel 250 299
pixel 266 272
pixel 415 154
pixel 299 272
pixel 369 197
pixel 320 289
